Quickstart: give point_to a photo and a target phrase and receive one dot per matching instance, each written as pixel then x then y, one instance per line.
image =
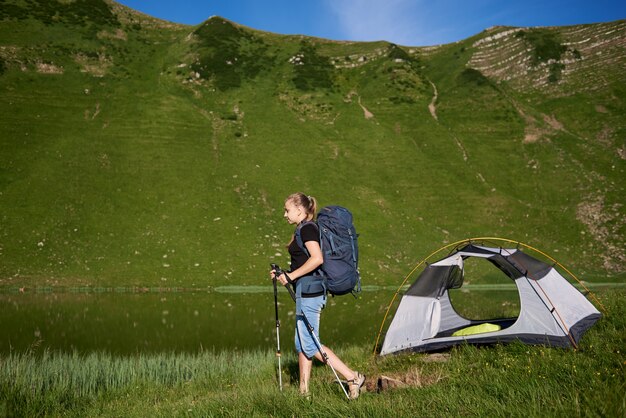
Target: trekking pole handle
pixel 277 272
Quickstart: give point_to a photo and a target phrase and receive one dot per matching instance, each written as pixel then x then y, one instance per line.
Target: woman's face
pixel 294 214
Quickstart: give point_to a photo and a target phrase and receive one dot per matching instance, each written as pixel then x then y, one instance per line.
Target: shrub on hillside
pixel 13 11
pixel 555 72
pixel 78 12
pixel 471 76
pixel 395 52
pixel 228 55
pixel 313 71
pixel 546 44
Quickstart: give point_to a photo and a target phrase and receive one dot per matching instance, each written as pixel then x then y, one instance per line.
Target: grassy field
pixel 501 380
pixel 135 152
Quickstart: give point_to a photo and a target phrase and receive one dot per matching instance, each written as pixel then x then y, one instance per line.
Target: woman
pixel 300 210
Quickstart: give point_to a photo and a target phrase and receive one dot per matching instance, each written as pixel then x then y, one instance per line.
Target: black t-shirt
pixel 308 232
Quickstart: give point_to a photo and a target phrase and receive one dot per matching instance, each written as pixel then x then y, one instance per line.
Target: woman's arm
pixel 315 260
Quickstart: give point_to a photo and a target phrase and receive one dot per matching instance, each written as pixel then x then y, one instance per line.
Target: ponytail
pixel 308 203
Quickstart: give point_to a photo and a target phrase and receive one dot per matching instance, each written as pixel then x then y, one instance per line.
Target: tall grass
pixel 501 380
pixel 94 373
pixel 32 384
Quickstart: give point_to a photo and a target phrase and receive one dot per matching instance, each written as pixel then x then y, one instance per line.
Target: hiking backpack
pixel 338 242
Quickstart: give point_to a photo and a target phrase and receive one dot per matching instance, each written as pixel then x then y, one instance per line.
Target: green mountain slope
pixel 134 151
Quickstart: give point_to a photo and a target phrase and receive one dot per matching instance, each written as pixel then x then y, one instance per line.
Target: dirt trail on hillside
pixel 366 113
pixel 431 107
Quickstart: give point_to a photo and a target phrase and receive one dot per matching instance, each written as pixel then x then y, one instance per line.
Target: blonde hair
pixel 308 203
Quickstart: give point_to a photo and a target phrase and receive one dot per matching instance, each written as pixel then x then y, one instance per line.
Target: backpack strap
pixel 299 236
pixel 319 271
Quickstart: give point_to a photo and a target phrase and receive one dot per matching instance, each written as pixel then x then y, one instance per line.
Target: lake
pixel 126 321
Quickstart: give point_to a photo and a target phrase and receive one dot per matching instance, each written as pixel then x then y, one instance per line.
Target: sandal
pixel 356 384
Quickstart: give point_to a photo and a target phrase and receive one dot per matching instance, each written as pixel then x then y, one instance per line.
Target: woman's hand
pixel 282 279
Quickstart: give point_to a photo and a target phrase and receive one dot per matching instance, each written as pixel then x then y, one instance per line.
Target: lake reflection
pixel 130 322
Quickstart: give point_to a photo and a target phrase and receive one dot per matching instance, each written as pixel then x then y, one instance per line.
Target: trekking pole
pixel 278 272
pixel 280 372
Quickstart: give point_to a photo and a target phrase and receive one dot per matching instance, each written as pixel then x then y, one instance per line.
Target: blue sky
pixel 404 22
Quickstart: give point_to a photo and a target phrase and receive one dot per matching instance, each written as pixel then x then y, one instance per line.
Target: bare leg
pixel 339 365
pixel 305 372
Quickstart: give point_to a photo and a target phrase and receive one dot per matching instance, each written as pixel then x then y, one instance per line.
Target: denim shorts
pixel 312 308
